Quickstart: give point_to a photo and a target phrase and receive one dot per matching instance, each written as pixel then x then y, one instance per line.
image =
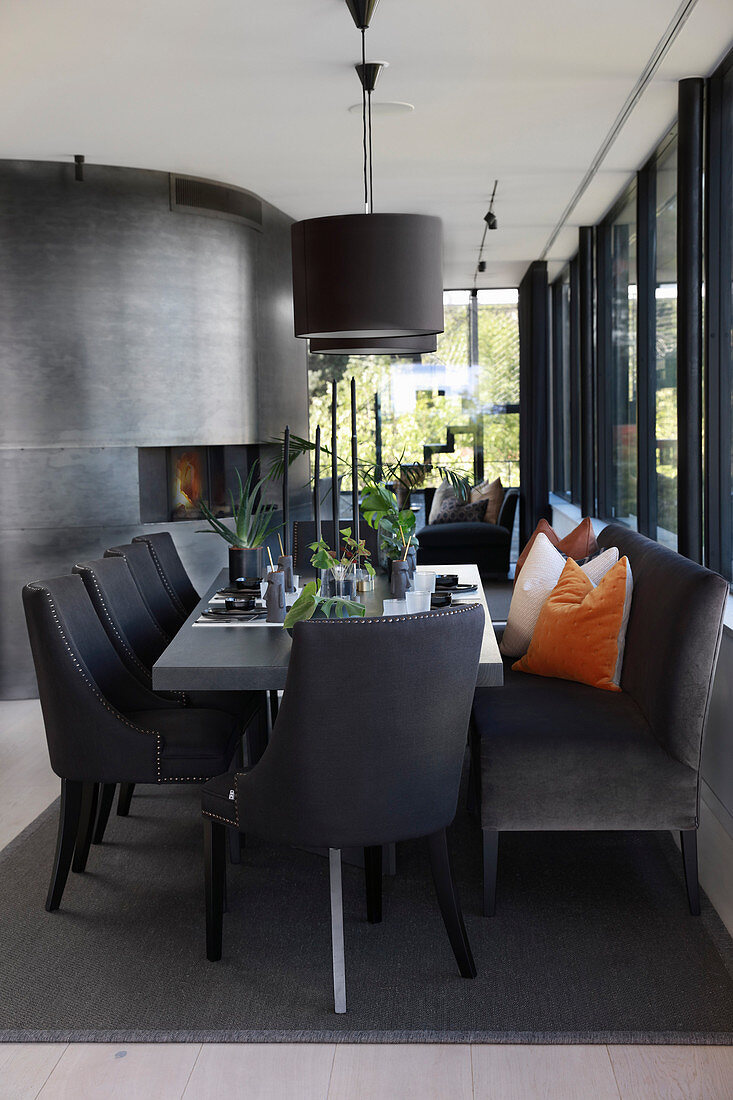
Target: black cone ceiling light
pixel 364 277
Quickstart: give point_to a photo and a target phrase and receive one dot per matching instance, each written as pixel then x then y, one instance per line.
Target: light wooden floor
pixel 321 1072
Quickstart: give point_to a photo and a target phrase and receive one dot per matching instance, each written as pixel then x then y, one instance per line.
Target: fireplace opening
pixel 173 480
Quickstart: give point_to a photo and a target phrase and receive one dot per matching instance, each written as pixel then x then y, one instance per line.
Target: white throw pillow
pixel 540 573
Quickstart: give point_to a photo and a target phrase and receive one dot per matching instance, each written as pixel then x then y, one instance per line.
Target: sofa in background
pixel 484 544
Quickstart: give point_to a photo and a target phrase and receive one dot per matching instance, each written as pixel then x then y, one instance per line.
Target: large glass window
pixel 561 426
pixel 666 346
pixel 622 366
pixel 462 414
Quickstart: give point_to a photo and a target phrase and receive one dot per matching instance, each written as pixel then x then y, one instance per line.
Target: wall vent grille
pixel 190 195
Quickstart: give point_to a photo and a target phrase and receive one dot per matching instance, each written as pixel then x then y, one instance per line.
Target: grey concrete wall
pixel 122 325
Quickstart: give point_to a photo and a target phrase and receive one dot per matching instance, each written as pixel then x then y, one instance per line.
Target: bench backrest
pixel 672 641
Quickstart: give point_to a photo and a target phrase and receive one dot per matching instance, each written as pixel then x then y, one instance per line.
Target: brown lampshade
pixel 386 345
pixel 368 276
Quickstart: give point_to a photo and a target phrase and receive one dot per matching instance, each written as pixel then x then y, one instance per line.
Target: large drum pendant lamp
pixel 368 275
pixel 387 345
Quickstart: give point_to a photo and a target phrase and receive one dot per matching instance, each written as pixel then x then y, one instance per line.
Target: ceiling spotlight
pixel 78 167
pixel 482 266
pixel 490 219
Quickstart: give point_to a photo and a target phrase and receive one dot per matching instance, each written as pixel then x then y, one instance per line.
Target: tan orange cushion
pixel 579 544
pixel 581 630
pixel 493 493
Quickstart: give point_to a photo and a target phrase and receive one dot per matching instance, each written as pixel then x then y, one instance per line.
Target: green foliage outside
pixel 405 434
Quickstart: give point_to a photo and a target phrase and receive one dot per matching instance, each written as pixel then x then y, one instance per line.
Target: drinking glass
pixel 425 582
pixel 417 601
pixel 395 607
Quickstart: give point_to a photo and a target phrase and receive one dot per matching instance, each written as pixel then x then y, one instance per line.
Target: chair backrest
pixel 370 738
pixel 125 616
pixel 84 687
pixel 304 533
pixel 171 569
pixel 672 640
pixel 508 509
pixel 140 561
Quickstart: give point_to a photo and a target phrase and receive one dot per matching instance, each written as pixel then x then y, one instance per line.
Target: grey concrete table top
pixel 244 658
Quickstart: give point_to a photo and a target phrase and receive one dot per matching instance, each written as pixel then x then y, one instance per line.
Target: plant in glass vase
pixel 331 597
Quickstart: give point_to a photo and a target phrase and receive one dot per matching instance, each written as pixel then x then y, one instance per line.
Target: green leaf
pixel 304 606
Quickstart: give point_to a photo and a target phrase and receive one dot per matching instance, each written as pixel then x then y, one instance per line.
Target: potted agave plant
pixel 253 524
pixel 331 597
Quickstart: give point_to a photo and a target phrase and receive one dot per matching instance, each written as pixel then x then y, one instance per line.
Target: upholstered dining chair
pixel 102 725
pixel 139 641
pixel 389 772
pixel 304 533
pixel 168 615
pixel 171 570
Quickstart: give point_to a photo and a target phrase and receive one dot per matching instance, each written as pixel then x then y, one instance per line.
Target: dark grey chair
pixel 102 725
pixel 553 754
pixel 171 570
pixel 304 533
pixel 169 616
pixel 139 641
pixel 386 768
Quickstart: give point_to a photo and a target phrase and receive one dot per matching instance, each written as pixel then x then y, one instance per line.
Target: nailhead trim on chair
pixel 386 620
pixel 228 820
pixel 133 657
pixel 168 587
pixel 120 717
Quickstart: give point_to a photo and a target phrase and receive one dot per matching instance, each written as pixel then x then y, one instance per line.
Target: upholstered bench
pixel 553 754
pixel 486 545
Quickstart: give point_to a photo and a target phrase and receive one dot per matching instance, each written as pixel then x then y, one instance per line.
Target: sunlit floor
pixel 318 1071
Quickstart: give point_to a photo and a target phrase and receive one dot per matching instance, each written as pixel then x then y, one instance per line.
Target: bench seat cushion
pixel 553 754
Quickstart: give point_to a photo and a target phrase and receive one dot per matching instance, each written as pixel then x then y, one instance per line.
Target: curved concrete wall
pixel 124 324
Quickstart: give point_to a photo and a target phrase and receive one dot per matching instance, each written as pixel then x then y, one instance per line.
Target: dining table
pixel 255 656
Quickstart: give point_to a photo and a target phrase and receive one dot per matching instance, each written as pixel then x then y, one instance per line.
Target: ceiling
pixel 257 93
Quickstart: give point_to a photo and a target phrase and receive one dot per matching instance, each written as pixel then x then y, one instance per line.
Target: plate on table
pixel 454 587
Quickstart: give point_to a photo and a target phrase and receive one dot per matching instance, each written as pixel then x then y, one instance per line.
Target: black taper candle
pixel 334 473
pixel 286 501
pixel 354 466
pixel 317 484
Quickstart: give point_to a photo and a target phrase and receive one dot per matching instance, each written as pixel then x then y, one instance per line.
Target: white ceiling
pixel 255 93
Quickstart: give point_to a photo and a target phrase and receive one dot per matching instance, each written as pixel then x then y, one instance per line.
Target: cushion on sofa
pixel 579 544
pixel 581 629
pixel 444 491
pixel 493 493
pixel 554 754
pixel 452 510
pixel 541 572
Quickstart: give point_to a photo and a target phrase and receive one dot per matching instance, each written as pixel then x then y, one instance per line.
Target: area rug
pixel 592 942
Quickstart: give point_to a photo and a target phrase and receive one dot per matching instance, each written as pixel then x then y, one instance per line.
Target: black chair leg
pixel 373 877
pixel 68 826
pixel 124 799
pixel 449 904
pixel 105 805
pixel 688 841
pixel 87 817
pixel 490 840
pixel 274 706
pixel 214 871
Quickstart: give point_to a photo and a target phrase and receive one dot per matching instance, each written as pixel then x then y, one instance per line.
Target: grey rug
pixel 592 942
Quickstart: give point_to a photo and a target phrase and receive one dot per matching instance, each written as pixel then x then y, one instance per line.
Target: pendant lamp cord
pixel 364 123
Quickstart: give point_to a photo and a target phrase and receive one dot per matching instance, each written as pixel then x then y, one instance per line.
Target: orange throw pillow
pixel 579 544
pixel 581 630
